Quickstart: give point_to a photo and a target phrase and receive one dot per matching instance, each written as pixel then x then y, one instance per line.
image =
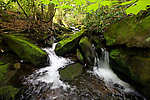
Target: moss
pixel 8 92
pixel 1 63
pixel 80 56
pixel 134 64
pixel 71 71
pixel 3 71
pixel 85 40
pixel 114 53
pixel 87 50
pixel 128 31
pixel 26 50
pixel 68 45
pixel 109 41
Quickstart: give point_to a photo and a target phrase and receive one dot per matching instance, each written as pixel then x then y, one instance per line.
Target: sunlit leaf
pixel 93 7
pixel 128 2
pixel 138 6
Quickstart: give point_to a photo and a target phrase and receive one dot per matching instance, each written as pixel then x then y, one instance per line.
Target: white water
pixel 102 70
pixel 51 73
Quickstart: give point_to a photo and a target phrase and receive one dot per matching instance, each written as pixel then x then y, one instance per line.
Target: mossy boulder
pixel 80 56
pixel 87 51
pixel 133 64
pixel 71 71
pixel 26 50
pixel 68 45
pixel 129 31
pixel 7 92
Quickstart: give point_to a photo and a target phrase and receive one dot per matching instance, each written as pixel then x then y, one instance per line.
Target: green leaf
pixel 54 2
pixel 138 6
pixel 80 2
pixel 45 1
pixel 93 7
pixel 128 2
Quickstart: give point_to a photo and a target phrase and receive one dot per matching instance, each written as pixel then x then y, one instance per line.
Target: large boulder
pixel 25 49
pixel 87 51
pixel 134 65
pixel 68 45
pixel 129 31
pixel 71 71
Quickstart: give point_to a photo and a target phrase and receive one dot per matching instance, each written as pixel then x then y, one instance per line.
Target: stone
pixel 87 50
pixel 133 65
pixel 26 50
pixel 80 56
pixel 71 71
pixel 130 32
pixel 67 46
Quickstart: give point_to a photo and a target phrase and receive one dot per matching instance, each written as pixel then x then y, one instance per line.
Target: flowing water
pixel 99 83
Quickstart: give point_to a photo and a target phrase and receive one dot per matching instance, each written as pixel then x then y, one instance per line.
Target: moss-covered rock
pixel 68 45
pixel 7 92
pixel 71 71
pixel 80 56
pixel 133 64
pixel 87 50
pixel 130 32
pixel 26 50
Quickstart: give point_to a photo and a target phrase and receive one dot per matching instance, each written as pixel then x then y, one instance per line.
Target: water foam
pixel 102 70
pixel 50 74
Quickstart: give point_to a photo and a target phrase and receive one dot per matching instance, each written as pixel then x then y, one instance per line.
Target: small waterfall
pixel 103 71
pixel 50 74
pixel 45 83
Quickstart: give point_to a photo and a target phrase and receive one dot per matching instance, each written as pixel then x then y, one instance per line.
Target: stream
pixel 101 83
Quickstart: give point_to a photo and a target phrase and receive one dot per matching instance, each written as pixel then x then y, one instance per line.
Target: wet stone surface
pixel 84 87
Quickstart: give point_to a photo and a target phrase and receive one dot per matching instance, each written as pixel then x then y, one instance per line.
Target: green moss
pixel 79 56
pixel 87 50
pixel 128 31
pixel 85 40
pixel 114 53
pixel 8 92
pixel 68 45
pixel 109 41
pixel 3 71
pixel 71 71
pixel 26 50
pixel 1 63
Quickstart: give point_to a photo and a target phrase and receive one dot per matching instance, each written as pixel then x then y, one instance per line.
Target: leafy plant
pixel 137 6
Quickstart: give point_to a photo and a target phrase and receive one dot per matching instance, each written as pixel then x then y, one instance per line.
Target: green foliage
pixel 136 6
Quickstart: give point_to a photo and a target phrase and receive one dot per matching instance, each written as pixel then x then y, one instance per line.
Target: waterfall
pixel 45 83
pixel 50 74
pixel 103 71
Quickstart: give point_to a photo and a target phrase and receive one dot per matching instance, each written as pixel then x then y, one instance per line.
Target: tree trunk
pixel 50 13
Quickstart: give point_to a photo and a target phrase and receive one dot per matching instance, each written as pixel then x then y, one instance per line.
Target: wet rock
pixel 26 50
pixel 87 50
pixel 129 31
pixel 80 56
pixel 134 65
pixel 7 92
pixel 71 71
pixel 68 45
pixel 4 48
